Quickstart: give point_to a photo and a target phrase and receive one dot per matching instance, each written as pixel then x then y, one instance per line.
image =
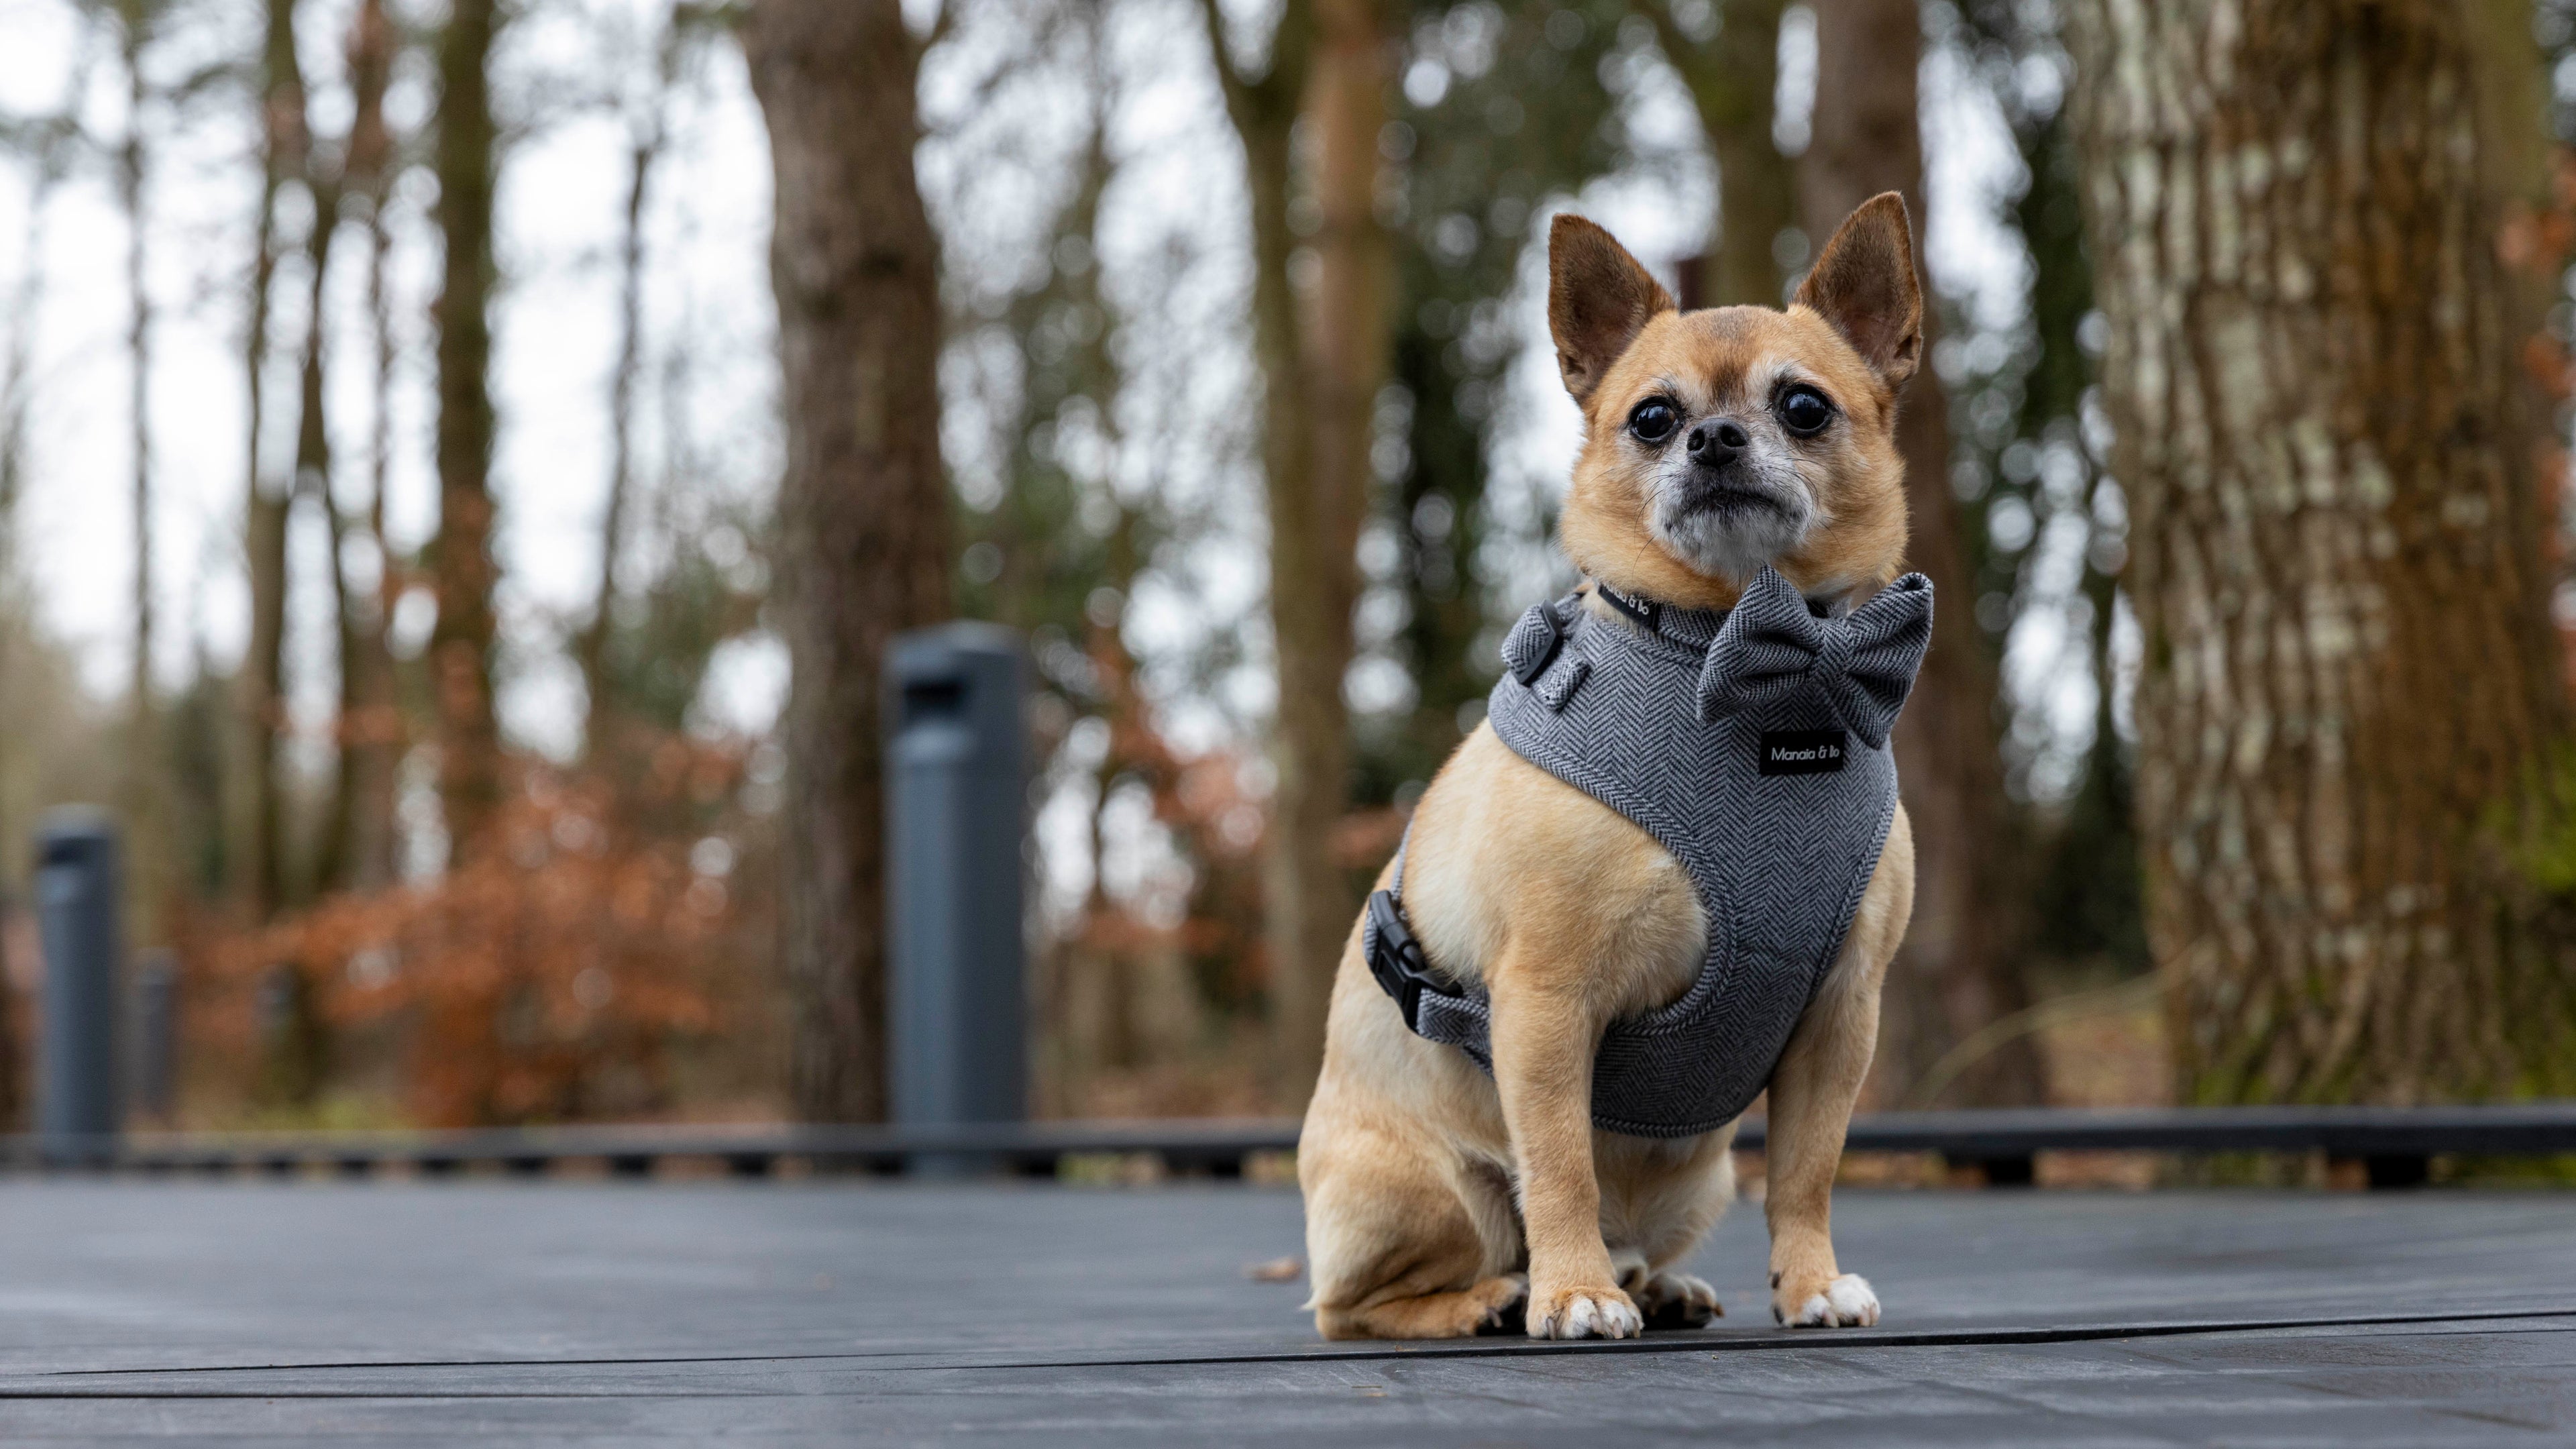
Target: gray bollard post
pixel 78 896
pixel 156 1034
pixel 956 815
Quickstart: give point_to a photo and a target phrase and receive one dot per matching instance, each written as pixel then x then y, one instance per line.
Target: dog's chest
pixel 1776 815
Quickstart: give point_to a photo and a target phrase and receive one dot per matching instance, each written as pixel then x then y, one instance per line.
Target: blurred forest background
pixel 459 463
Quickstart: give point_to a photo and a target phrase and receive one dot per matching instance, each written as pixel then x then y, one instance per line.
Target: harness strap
pixel 1646 612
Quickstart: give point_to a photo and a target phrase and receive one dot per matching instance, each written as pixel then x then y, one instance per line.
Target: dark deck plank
pixel 627 1312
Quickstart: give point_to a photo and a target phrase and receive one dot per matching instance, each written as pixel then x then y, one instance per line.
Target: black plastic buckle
pixel 1537 665
pixel 1395 958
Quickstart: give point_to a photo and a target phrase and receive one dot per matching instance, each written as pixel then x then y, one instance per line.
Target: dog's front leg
pixel 1544 1036
pixel 1811 1105
pixel 1812 1092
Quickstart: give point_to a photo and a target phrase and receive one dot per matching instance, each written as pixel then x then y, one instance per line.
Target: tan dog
pixel 1440 1201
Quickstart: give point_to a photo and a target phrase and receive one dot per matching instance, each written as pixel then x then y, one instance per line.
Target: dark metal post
pixel 955 819
pixel 78 895
pixel 156 1034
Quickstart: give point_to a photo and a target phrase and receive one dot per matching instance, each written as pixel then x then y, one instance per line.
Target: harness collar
pixel 1644 611
pixel 1696 628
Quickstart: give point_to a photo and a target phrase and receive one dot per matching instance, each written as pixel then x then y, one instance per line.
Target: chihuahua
pixel 1669 870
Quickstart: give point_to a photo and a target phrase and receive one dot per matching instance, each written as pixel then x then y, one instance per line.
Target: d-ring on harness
pixel 1752 745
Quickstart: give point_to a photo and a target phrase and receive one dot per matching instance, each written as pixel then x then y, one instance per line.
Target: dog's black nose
pixel 1717 442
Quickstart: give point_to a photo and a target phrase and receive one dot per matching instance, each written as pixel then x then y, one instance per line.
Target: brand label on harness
pixel 1802 752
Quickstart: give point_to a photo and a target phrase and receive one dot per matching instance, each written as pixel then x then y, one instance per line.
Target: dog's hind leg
pixel 1495 1305
pixel 1406 1240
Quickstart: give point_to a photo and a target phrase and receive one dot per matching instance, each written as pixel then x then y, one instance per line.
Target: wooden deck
pixel 840 1310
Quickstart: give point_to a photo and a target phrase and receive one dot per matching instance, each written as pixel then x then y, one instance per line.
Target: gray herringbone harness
pixel 1752 745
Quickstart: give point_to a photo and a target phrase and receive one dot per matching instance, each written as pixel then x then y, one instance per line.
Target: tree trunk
pixel 863 508
pixel 143 767
pixel 642 153
pixel 1323 356
pixel 313 442
pixel 357 845
pixel 1956 972
pixel 297 1060
pixel 284 146
pixel 1733 76
pixel 16 373
pixel 1310 749
pixel 372 731
pixel 2350 695
pixel 2518 166
pixel 138 348
pixel 460 646
pixel 593 648
pixel 1343 347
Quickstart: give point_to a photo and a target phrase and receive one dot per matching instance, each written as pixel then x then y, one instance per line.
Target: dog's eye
pixel 1654 420
pixel 1804 411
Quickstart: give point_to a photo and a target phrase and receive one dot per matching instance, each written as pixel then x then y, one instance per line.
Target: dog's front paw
pixel 1678 1300
pixel 1843 1302
pixel 1589 1311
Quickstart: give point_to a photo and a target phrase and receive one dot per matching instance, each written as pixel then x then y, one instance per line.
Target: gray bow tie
pixel 1770 647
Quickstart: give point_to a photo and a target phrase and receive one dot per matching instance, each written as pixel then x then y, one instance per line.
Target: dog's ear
pixel 1598 298
pixel 1864 284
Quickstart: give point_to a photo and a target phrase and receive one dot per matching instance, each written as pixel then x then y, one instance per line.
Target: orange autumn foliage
pixel 546 979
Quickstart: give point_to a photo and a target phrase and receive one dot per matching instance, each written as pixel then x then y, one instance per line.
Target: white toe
pixel 1618 1320
pixel 1853 1303
pixel 1847 1302
pixel 1578 1318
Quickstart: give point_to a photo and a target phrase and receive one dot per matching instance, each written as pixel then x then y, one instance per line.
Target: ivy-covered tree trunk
pixel 2350 709
pixel 1959 969
pixel 863 509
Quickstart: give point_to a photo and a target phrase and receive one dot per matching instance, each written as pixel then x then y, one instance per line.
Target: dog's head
pixel 1721 440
